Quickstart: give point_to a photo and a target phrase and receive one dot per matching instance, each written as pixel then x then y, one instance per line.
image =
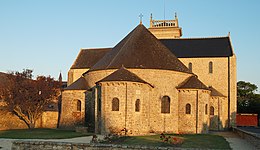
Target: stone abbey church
pixel 153 81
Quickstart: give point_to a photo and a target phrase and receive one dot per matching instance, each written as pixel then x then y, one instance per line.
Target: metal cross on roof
pixel 141 17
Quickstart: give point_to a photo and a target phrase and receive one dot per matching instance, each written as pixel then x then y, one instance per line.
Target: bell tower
pixel 165 29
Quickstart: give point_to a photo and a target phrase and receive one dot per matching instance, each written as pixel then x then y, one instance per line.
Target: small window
pixel 165 104
pixel 190 67
pixel 137 105
pixel 206 109
pixel 115 104
pixel 188 109
pixel 211 110
pixel 78 105
pixel 210 67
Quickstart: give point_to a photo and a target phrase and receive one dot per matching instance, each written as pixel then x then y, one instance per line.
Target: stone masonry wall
pixel 166 33
pixel 164 82
pixel 187 122
pixel 70 117
pixel 47 145
pixel 49 119
pixel 233 90
pixel 75 74
pixel 127 92
pixel 219 104
pixel 218 79
pixel 10 121
pixel 203 118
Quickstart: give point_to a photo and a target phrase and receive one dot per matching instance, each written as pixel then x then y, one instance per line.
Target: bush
pixel 171 139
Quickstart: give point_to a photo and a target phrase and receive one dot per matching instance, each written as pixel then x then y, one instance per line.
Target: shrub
pixel 94 139
pixel 110 138
pixel 171 139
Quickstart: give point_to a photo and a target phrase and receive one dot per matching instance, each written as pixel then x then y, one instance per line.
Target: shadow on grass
pixel 40 134
pixel 203 141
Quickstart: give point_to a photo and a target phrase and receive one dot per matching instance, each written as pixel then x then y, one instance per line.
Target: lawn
pixel 190 141
pixel 40 134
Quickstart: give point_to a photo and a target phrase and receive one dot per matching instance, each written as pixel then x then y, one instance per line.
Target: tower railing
pixel 163 23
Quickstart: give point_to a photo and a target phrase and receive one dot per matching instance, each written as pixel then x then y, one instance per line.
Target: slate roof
pixel 199 47
pixel 123 74
pixel 88 57
pixel 140 49
pixel 79 84
pixel 192 83
pixel 215 92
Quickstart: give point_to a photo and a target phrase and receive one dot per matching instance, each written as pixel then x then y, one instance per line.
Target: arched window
pixel 165 104
pixel 188 109
pixel 190 67
pixel 137 105
pixel 206 109
pixel 211 110
pixel 78 105
pixel 115 104
pixel 210 67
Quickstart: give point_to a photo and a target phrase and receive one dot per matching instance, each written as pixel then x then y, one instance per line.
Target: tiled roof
pixel 215 92
pixel 192 83
pixel 199 47
pixel 123 74
pixel 79 84
pixel 140 49
pixel 88 57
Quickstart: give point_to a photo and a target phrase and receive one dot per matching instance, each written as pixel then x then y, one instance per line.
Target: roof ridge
pixel 98 48
pixel 86 58
pixel 123 74
pixel 215 92
pixel 192 82
pixel 140 49
pixel 194 38
pixel 74 63
pixel 79 84
pixel 119 51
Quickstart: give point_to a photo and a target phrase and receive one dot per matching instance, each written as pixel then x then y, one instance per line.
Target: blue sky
pixel 47 35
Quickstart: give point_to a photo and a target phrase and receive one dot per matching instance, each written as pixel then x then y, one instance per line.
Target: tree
pixel 248 101
pixel 246 90
pixel 26 97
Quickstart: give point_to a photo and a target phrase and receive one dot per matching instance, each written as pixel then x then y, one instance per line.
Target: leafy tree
pixel 248 101
pixel 246 90
pixel 26 97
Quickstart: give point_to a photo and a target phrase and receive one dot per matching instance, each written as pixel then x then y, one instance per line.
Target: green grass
pixel 40 134
pixel 190 141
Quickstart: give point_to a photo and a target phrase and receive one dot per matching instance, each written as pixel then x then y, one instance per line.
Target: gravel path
pixel 235 142
pixel 6 144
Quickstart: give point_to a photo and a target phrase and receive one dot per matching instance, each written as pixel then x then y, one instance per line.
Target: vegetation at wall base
pixel 189 141
pixel 40 134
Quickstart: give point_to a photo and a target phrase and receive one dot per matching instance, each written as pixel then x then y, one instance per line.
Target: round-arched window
pixel 115 104
pixel 137 105
pixel 211 110
pixel 78 105
pixel 188 108
pixel 165 104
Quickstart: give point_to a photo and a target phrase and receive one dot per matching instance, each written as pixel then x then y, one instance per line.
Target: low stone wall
pixel 46 145
pixel 9 121
pixel 250 137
